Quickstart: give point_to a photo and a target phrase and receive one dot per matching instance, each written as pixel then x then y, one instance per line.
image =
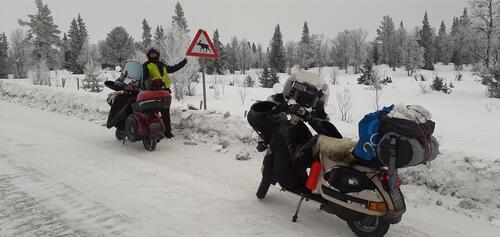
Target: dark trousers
pixel 165 116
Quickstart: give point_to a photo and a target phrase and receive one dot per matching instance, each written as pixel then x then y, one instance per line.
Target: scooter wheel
pixel 371 226
pixel 131 129
pixel 149 143
pixel 120 135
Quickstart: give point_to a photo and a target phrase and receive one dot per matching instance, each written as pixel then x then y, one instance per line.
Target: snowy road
pixel 64 176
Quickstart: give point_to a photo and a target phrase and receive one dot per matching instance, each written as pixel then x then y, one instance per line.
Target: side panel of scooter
pixel 141 123
pixel 357 201
pixel 155 126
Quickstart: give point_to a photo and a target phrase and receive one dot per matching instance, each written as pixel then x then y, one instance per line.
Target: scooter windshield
pixel 132 70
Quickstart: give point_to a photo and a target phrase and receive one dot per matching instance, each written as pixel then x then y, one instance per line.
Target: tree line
pixel 473 38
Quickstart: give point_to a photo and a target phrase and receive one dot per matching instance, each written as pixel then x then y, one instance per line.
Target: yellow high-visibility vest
pixel 154 73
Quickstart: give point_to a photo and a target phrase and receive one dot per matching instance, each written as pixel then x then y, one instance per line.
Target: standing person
pixel 154 69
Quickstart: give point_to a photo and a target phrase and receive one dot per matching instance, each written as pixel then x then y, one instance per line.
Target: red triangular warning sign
pixel 202 46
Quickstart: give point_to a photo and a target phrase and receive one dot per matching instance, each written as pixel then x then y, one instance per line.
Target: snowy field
pixel 62 172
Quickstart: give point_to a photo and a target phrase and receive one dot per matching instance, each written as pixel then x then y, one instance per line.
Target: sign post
pixel 204 84
pixel 202 47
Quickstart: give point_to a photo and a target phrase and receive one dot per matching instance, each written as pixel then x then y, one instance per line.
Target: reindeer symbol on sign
pixel 204 47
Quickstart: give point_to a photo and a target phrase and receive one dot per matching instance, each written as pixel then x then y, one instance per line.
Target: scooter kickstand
pixel 294 218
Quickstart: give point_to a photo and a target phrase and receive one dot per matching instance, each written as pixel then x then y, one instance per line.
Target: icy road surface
pixel 62 176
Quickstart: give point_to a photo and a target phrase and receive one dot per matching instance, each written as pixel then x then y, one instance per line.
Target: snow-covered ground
pixel 61 174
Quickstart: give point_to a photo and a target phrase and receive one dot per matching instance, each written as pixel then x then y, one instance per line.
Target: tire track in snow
pixel 34 204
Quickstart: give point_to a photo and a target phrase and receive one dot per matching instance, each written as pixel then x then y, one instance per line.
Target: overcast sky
pixel 251 19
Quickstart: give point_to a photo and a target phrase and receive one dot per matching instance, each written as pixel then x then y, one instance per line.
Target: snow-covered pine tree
pixel 217 66
pixel 439 85
pixel 321 50
pixel 291 55
pixel 442 45
pixel 255 56
pixel 66 48
pixel 401 35
pixel 260 56
pixel 159 34
pixel 147 37
pixel 411 53
pixel 426 42
pixel 249 81
pixel 469 39
pixel 5 65
pixel 342 50
pixel 375 53
pixel 232 55
pixel 20 53
pixel 45 35
pixel 273 77
pixel 41 75
pixel 71 54
pixel 386 38
pixel 264 78
pixel 306 50
pixel 90 54
pixel 179 19
pixel 77 35
pixel 244 53
pixel 358 38
pixel 485 15
pixel 367 73
pixel 92 81
pixel 277 51
pixel 456 50
pixel 118 47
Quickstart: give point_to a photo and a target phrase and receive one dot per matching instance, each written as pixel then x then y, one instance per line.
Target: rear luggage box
pixel 153 100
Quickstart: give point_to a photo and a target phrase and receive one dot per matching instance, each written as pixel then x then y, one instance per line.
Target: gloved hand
pixel 131 86
pixel 184 61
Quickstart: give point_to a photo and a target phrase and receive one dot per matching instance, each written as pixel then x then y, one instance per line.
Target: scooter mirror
pixel 278 88
pixel 118 68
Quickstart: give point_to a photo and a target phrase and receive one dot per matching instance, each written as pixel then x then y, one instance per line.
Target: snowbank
pixel 76 103
pixel 465 184
pixel 199 126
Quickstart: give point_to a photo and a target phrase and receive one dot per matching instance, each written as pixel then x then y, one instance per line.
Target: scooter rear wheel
pixel 149 143
pixel 371 226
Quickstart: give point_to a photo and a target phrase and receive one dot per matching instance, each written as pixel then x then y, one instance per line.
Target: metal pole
pixel 204 84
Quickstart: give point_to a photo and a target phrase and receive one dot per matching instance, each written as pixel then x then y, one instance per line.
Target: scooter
pixel 136 115
pixel 356 191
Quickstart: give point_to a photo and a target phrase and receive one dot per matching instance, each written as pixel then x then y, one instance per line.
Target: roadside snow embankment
pixel 466 185
pixel 75 103
pixel 195 126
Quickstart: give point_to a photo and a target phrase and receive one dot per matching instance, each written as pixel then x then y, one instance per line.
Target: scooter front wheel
pixel 263 188
pixel 120 135
pixel 149 143
pixel 371 226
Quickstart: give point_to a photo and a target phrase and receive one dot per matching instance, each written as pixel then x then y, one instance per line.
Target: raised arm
pixel 177 67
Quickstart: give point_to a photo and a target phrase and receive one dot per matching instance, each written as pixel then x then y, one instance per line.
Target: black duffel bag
pixel 411 143
pixel 263 116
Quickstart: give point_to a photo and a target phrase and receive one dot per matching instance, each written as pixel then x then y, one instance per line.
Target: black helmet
pixel 153 51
